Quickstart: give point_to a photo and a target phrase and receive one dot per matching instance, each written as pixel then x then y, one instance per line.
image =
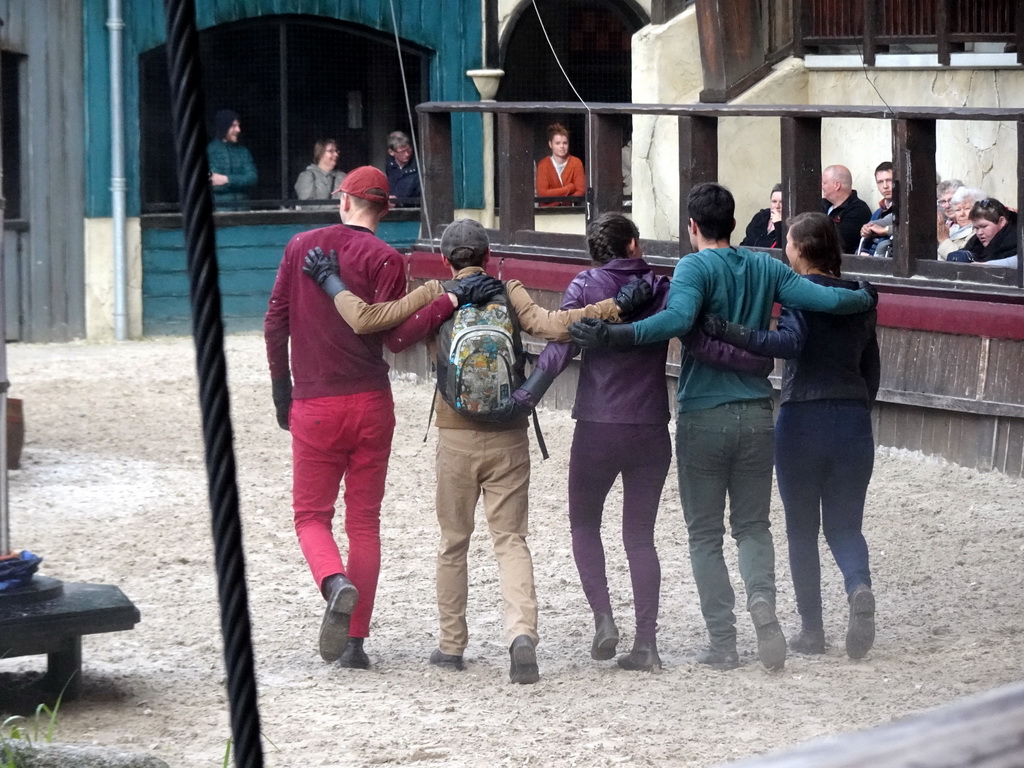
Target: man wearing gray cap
pixel 477 458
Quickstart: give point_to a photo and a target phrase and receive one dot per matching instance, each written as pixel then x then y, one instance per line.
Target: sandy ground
pixel 112 490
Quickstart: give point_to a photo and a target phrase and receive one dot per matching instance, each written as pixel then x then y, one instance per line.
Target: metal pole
pixel 118 185
pixel 5 528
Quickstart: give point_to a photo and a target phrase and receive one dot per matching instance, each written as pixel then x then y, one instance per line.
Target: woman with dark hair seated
pixel 765 229
pixel 824 449
pixel 995 236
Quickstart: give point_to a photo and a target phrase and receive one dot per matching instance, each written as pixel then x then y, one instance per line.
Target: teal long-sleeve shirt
pixel 235 162
pixel 740 286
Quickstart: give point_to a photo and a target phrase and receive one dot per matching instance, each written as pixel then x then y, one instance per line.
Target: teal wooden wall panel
pixel 454 34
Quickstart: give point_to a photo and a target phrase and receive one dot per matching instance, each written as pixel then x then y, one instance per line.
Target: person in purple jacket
pixel 622 416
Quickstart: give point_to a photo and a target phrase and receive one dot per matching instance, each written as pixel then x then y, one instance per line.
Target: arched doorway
pixel 592 41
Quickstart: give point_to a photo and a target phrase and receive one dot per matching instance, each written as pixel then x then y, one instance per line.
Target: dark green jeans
pixel 720 451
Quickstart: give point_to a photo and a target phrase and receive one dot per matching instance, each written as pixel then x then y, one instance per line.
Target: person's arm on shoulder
pixel 795 292
pixel 552 325
pixel 685 299
pixel 555 357
pixel 366 318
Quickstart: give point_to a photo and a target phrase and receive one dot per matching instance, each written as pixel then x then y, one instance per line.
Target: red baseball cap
pixel 366 182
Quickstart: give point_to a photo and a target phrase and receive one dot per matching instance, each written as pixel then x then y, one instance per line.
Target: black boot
pixel 523 668
pixel 606 637
pixel 341 596
pixel 643 658
pixel 354 657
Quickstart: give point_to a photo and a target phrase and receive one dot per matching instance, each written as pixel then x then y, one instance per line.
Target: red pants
pixel 335 438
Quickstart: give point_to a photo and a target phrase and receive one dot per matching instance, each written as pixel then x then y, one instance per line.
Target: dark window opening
pixel 592 41
pixel 10 97
pixel 292 81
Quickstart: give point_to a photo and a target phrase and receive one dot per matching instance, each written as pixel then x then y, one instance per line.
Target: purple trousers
pixel 641 453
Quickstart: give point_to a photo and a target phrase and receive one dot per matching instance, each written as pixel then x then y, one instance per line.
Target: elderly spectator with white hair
pixel 961 229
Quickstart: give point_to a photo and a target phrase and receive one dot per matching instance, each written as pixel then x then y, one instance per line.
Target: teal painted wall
pixel 450 28
pixel 247 261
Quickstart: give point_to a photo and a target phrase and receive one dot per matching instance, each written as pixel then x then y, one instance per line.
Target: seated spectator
pixel 561 174
pixel 995 236
pixel 944 199
pixel 320 179
pixel 232 170
pixel 403 175
pixel 878 230
pixel 848 212
pixel 960 230
pixel 765 229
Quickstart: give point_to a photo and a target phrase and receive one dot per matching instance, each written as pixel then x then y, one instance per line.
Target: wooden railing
pixel 913 132
pixel 875 25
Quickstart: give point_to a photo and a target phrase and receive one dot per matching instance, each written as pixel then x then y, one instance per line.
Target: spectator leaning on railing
pixel 995 236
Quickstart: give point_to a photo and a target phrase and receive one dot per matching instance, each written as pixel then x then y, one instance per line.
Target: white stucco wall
pixel 506 8
pixel 99 278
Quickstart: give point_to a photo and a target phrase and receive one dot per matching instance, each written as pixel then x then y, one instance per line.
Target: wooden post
pixel 869 33
pixel 801 164
pixel 942 22
pixel 730 45
pixel 666 10
pixel 438 183
pixel 517 182
pixel 604 181
pixel 1020 186
pixel 801 26
pixel 913 235
pixel 698 163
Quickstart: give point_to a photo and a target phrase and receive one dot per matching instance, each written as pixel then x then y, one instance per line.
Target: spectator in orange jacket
pixel 561 174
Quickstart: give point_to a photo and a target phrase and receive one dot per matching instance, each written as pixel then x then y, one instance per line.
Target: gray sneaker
pixel 771 643
pixel 860 632
pixel 721 660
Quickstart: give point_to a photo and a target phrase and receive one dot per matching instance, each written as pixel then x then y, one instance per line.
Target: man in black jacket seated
pixel 841 204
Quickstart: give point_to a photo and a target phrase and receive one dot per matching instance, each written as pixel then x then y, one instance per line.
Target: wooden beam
pixel 914 160
pixel 801 164
pixel 516 174
pixel 666 10
pixel 604 177
pixel 698 163
pixel 942 22
pixel 801 26
pixel 730 43
pixel 436 166
pixel 984 731
pixel 869 33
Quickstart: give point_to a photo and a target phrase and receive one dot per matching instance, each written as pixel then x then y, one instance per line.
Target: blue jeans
pixel 727 450
pixel 824 454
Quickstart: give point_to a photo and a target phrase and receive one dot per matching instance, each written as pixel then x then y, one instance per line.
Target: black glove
pixel 733 333
pixel 476 289
pixel 324 269
pixel 591 333
pixel 634 296
pixel 871 290
pixel 282 392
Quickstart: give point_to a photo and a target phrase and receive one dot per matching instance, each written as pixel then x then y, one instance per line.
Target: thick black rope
pixel 208 331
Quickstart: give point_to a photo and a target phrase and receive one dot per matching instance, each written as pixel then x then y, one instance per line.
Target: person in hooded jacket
pixel 321 180
pixel 994 243
pixel 622 415
pixel 824 449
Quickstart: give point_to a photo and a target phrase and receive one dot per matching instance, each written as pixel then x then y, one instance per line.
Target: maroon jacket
pixel 615 387
pixel 327 358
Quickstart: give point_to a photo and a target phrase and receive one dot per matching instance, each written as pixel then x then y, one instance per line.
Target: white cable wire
pixel 408 110
pixel 590 154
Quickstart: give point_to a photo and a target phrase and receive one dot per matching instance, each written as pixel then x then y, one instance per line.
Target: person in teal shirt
pixel 232 170
pixel 724 430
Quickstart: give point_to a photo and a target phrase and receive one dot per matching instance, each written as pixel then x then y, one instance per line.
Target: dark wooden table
pixel 50 617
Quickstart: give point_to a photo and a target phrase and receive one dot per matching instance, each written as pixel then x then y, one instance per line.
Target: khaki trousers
pixel 497 465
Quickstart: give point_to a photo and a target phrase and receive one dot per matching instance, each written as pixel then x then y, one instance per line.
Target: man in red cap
pixel 339 409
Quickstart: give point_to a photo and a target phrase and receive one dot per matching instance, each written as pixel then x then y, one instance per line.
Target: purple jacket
pixel 615 387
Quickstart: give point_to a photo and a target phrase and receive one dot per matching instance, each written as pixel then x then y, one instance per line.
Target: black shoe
pixel 808 641
pixel 606 637
pixel 524 661
pixel 860 632
pixel 723 660
pixel 341 596
pixel 771 643
pixel 354 657
pixel 643 658
pixel 446 660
